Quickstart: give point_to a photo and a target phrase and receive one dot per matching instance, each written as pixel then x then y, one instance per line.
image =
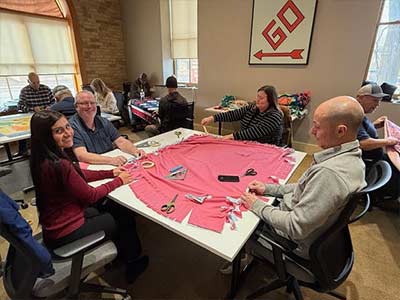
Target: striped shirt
pixel 29 98
pixel 263 127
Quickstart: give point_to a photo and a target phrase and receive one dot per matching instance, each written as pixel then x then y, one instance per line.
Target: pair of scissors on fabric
pixel 250 172
pixel 170 206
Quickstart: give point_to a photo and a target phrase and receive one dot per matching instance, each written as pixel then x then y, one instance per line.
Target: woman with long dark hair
pixel 261 122
pixel 69 208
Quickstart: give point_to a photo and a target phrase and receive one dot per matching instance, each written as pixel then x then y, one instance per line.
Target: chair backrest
pixel 378 175
pixel 331 254
pixel 190 116
pixel 287 126
pixel 22 267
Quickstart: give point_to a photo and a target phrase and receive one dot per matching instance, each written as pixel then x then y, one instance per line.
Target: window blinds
pixel 35 44
pixel 183 28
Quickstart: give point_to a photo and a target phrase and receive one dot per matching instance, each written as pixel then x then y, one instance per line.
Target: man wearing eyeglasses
pixel 370 96
pixel 33 97
pixel 95 135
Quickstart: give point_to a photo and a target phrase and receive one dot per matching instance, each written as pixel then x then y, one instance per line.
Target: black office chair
pixel 378 175
pixel 122 107
pixel 74 263
pixel 331 254
pixel 189 116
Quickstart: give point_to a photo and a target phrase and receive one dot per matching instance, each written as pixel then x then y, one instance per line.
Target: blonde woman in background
pixel 104 96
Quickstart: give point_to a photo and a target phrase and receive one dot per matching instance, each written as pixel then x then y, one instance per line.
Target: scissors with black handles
pixel 250 172
pixel 170 206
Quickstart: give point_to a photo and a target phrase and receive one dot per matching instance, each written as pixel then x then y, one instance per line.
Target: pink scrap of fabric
pixel 206 157
pixel 83 165
pixel 393 152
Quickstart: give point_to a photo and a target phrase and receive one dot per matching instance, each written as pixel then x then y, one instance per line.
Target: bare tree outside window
pixel 385 60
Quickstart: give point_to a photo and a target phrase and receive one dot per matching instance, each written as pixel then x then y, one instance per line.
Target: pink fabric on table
pixel 392 130
pixel 206 157
pixel 393 152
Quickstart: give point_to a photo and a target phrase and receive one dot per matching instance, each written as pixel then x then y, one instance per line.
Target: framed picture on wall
pixel 281 31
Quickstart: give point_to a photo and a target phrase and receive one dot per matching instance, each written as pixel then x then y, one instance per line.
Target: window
pixel 183 25
pixel 30 42
pixel 385 59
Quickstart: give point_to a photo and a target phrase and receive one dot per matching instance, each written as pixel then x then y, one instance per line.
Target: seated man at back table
pixel 172 110
pixel 309 207
pixel 95 135
pixel 33 97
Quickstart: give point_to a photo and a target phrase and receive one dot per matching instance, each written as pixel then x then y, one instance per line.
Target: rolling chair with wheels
pixel 331 254
pixel 23 274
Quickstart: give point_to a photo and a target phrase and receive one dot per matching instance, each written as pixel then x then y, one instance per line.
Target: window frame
pixel 379 23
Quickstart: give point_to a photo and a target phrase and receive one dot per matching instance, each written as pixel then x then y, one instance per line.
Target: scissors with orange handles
pixel 170 206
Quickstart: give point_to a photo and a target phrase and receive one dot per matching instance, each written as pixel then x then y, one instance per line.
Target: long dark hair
pixel 43 147
pixel 272 96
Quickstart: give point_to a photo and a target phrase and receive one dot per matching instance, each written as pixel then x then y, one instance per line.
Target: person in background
pixel 261 122
pixel 308 208
pixel 172 110
pixel 95 135
pixel 69 208
pixel 140 84
pixel 370 96
pixel 33 97
pixel 65 102
pixel 104 96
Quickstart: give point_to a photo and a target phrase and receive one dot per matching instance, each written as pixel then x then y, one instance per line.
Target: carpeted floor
pixel 180 269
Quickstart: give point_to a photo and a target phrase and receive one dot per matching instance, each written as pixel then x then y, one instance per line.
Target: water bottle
pixel 141 94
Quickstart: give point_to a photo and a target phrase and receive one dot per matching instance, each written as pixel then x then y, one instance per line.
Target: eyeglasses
pixel 92 103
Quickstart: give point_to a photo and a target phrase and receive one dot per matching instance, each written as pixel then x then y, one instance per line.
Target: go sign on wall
pixel 281 31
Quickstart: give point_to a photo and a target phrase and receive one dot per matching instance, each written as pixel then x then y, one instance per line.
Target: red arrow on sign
pixel 295 54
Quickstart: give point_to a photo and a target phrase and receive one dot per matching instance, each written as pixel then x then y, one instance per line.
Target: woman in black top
pixel 261 122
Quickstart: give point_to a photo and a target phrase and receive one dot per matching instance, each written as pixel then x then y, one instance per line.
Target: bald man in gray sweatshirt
pixel 311 206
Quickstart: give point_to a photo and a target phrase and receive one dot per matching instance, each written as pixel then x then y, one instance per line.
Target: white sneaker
pixel 246 260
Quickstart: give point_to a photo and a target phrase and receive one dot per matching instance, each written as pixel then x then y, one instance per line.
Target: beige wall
pixel 142 31
pixel 343 34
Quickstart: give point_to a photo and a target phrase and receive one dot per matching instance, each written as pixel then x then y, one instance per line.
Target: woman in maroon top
pixel 69 208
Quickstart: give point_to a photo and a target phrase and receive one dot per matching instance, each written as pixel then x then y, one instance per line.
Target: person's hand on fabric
pixel 391 141
pixel 126 177
pixel 228 137
pixel 378 123
pixel 207 120
pixel 37 109
pixel 248 199
pixel 118 160
pixel 257 187
pixel 118 171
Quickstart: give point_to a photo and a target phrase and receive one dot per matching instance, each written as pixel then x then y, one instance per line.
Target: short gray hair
pixel 79 95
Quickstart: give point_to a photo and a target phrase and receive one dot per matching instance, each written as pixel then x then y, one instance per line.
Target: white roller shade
pixel 34 44
pixel 184 28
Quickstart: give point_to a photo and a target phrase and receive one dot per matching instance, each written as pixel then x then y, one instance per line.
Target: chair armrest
pixel 365 210
pixel 268 234
pixel 79 245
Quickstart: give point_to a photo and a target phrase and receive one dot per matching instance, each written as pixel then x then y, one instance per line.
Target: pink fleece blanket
pixel 206 157
pixel 393 152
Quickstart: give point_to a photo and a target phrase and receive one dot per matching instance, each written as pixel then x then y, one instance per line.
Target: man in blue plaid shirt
pixel 34 97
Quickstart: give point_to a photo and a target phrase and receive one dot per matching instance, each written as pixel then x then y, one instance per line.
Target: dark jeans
pixel 117 222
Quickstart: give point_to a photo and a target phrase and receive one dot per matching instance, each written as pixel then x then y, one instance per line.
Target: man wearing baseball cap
pixel 172 110
pixel 370 96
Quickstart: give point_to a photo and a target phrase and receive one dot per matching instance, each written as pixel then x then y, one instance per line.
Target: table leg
pixel 235 275
pixel 9 155
pixel 219 127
